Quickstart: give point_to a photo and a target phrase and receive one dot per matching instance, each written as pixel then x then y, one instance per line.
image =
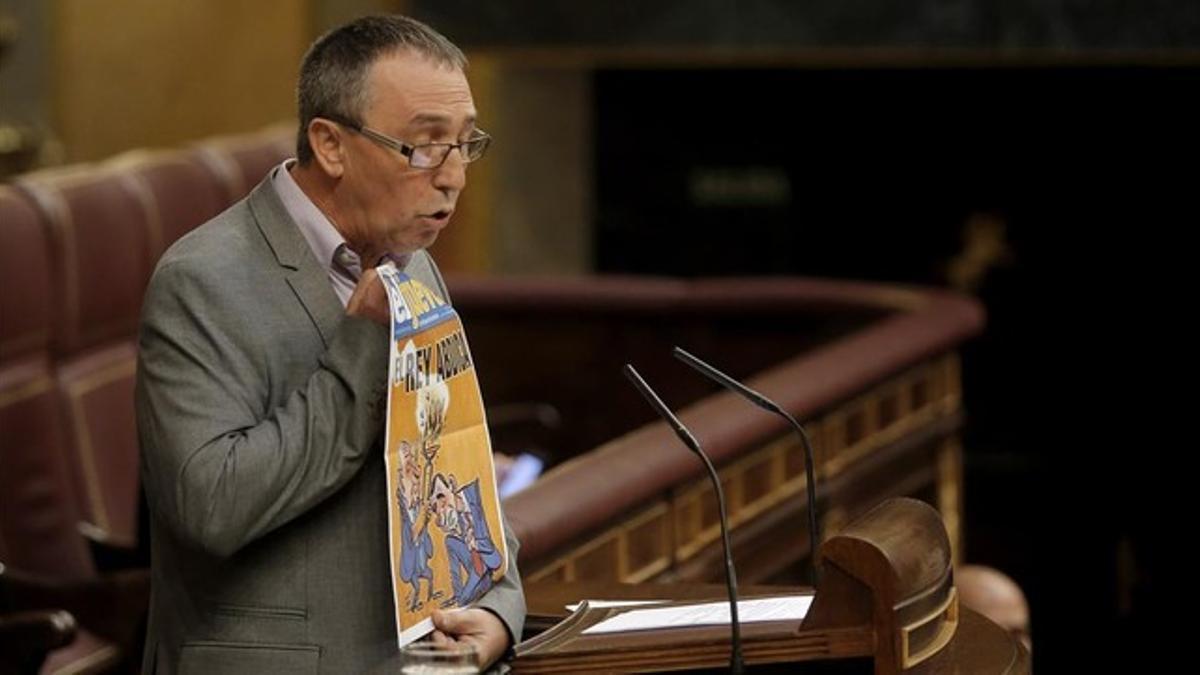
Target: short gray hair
pixel 333 75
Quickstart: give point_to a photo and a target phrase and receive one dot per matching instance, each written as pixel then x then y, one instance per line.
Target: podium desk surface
pixel 979 645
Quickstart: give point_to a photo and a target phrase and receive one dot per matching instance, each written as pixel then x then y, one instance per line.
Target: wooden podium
pixel 886 603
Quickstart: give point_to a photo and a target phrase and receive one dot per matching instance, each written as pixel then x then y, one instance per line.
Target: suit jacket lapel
pixel 308 278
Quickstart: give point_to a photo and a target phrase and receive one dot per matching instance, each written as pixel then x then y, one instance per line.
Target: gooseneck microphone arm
pixel 736 664
pixel 814 534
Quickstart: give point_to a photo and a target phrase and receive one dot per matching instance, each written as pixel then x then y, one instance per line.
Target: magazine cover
pixel 447 538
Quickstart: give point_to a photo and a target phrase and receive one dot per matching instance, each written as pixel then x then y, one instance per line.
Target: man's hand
pixel 474 626
pixel 369 299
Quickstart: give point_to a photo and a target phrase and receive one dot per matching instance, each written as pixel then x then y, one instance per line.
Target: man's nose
pixel 451 176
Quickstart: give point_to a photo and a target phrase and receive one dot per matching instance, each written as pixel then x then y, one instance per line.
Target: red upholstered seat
pixel 242 161
pixel 38 516
pixel 102 245
pixel 179 191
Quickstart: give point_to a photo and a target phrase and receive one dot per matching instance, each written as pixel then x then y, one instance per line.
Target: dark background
pixel 1085 167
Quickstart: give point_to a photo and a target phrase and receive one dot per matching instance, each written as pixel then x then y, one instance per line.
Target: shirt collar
pixel 327 244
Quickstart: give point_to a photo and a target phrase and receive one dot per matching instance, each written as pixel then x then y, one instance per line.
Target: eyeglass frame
pixel 409 149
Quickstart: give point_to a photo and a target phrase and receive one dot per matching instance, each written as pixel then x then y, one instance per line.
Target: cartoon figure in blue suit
pixel 469 545
pixel 416 544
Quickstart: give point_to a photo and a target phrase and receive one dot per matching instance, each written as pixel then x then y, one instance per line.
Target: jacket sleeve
pixel 507 598
pixel 222 468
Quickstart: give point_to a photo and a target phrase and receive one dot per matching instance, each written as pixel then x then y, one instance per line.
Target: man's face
pixel 385 205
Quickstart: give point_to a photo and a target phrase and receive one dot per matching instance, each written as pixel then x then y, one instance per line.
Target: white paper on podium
pixel 614 603
pixel 783 608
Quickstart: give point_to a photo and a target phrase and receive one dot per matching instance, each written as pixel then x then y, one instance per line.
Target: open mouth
pixel 439 215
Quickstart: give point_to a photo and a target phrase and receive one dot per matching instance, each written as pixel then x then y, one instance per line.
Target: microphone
pixel 814 535
pixel 736 664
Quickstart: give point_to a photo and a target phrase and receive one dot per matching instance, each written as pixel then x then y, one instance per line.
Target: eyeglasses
pixel 423 155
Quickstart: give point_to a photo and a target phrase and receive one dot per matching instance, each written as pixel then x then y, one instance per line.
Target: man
pixel 473 557
pixel 262 373
pixel 414 530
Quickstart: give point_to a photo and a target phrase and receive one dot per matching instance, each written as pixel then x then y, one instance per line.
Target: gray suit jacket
pixel 260 412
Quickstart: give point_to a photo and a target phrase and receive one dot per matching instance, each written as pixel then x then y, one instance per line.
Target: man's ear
pixel 326 139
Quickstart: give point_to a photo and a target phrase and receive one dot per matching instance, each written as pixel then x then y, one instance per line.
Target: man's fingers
pixel 369 299
pixel 449 622
pixel 480 628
